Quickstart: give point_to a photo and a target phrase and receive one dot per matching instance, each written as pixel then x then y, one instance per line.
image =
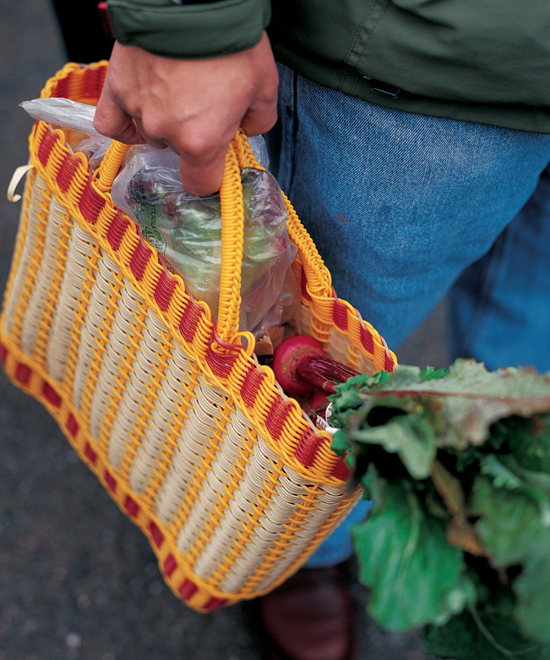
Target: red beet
pixel 319 402
pixel 300 366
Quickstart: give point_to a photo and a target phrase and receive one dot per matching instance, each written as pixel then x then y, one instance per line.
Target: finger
pixel 154 142
pixel 260 117
pixel 111 120
pixel 201 177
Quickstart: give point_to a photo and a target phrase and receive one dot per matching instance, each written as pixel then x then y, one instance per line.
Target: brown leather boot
pixel 309 617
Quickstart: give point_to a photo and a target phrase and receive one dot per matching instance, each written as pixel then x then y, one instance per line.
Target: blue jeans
pixel 406 208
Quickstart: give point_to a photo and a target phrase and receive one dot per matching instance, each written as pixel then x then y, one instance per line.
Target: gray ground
pixel 77 579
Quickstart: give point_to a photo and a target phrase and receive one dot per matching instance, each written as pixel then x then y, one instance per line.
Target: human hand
pixel 193 106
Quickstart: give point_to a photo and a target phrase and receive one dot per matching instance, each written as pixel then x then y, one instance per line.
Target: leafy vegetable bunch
pixel 458 539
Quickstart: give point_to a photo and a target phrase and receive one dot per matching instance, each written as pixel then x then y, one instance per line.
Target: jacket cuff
pixel 189 30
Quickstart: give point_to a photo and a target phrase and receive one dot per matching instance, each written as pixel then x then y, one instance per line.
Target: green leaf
pixel 527 438
pixel 340 443
pixel 415 576
pixel 532 588
pixel 509 522
pixel 514 528
pixel 507 471
pixel 468 400
pixel 481 636
pixel 502 476
pixel 476 448
pixel 411 437
pixel 432 374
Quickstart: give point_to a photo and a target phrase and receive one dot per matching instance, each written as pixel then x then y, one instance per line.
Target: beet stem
pixel 322 372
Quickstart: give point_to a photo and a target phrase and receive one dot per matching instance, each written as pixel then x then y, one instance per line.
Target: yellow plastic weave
pixel 194 440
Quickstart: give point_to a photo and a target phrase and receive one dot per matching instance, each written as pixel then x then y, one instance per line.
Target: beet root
pixel 301 366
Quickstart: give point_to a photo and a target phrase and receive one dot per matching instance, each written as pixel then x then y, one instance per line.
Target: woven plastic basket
pixel 192 438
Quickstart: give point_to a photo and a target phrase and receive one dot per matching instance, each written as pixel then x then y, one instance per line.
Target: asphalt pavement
pixel 77 579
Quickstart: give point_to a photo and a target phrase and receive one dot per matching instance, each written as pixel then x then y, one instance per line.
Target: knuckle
pixel 198 145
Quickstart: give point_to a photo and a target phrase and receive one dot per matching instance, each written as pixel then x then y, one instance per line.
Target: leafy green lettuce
pixel 458 541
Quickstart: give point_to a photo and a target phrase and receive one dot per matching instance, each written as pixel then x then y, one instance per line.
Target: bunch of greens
pixel 458 539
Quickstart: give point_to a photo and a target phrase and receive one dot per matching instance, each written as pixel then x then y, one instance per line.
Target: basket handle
pixel 239 155
pixel 110 165
pixel 232 211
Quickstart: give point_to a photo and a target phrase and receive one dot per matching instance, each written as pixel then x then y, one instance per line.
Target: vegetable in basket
pixel 186 230
pixel 304 371
pixel 301 366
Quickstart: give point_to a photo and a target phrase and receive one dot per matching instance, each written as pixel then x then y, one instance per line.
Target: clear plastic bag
pixel 94 148
pixel 186 230
pixel 77 121
pixel 63 112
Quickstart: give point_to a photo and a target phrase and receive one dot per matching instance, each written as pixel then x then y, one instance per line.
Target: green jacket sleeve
pixel 196 30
